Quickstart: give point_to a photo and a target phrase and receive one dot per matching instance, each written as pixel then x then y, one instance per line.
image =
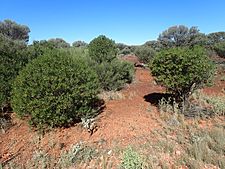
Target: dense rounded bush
pixel 220 49
pixel 144 53
pixel 182 70
pixel 12 59
pixel 114 75
pixel 55 89
pixel 102 49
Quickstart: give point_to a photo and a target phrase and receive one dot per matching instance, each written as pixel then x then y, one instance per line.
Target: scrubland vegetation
pixel 51 84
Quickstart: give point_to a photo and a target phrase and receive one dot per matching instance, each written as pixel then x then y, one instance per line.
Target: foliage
pixel 220 49
pixel 121 46
pixel 216 37
pixel 14 31
pixel 182 70
pixel 125 51
pixel 154 45
pixel 131 159
pixel 177 36
pixel 102 49
pixel 208 147
pixel 144 53
pixel 79 44
pixel 55 89
pixel 12 59
pixel 77 154
pixel 59 43
pixel 114 75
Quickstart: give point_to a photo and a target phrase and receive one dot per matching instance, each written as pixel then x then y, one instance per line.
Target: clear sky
pixel 127 21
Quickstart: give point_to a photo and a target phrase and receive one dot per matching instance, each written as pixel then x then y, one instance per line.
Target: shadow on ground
pixel 154 98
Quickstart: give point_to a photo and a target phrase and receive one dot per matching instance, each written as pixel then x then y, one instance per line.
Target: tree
pixel 59 43
pixel 79 44
pixel 182 70
pixel 102 49
pixel 177 36
pixel 216 37
pixel 14 31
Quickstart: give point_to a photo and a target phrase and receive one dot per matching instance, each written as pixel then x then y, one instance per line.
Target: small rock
pixel 178 152
pixel 109 152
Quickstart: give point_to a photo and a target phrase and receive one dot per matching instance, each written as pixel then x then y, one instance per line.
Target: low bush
pixel 220 49
pixel 144 53
pixel 132 159
pixel 55 89
pixel 114 75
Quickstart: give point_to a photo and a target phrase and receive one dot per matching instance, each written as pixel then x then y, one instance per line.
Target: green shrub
pixel 12 59
pixel 102 49
pixel 55 89
pixel 114 75
pixel 182 70
pixel 131 159
pixel 144 53
pixel 220 49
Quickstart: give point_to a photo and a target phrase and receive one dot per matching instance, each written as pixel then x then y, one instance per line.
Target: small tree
pixel 102 49
pixel 182 70
pixel 178 36
pixel 14 31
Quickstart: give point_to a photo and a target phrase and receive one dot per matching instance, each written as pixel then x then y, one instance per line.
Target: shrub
pixel 112 72
pixel 182 70
pixel 144 53
pixel 55 89
pixel 216 37
pixel 220 49
pixel 102 49
pixel 114 75
pixel 12 59
pixel 132 160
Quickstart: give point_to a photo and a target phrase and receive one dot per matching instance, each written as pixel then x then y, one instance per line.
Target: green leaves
pixel 179 68
pixel 55 89
pixel 220 49
pixel 102 49
pixel 144 53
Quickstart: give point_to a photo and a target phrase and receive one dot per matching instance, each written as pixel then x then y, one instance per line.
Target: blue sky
pixel 127 21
